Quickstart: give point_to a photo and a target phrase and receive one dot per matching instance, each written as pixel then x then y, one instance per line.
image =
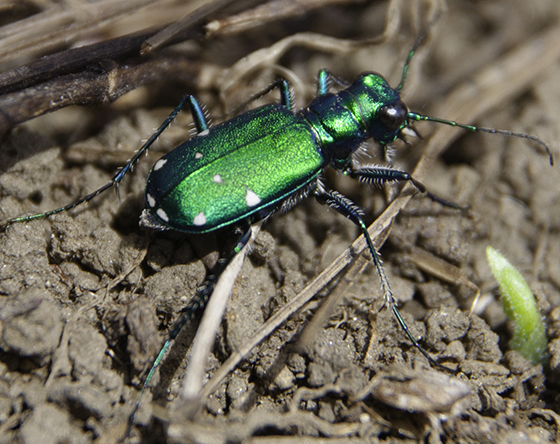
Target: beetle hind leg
pixel 117 178
pixel 197 303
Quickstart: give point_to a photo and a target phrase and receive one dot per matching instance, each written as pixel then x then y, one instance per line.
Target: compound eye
pixel 393 116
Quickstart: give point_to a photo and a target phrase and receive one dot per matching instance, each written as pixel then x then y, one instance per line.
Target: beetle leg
pixel 197 303
pixel 324 81
pixel 285 96
pixel 350 210
pixel 198 114
pixel 378 175
pixel 118 177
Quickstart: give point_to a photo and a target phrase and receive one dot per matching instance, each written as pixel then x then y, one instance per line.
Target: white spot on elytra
pixel 200 219
pixel 218 179
pixel 162 215
pixel 159 164
pixel 151 201
pixel 198 155
pixel 203 133
pixel 251 198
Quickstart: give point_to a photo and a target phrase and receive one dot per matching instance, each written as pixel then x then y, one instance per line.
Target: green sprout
pixel 520 306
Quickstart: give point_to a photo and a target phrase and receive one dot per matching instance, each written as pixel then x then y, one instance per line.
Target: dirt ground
pixel 88 297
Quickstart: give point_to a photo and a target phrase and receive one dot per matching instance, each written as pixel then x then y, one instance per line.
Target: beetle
pixel 269 158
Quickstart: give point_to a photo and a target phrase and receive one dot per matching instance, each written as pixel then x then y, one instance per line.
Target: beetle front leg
pixel 379 174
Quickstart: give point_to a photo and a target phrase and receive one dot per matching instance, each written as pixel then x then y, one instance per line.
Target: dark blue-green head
pixel 383 114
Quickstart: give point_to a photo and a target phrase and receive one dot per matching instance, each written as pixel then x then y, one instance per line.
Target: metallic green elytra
pixel 238 169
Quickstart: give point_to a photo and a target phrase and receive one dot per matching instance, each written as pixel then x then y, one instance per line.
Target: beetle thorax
pixel 337 125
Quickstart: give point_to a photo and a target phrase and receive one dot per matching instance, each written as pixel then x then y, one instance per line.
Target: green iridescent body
pixel 247 167
pixel 240 168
